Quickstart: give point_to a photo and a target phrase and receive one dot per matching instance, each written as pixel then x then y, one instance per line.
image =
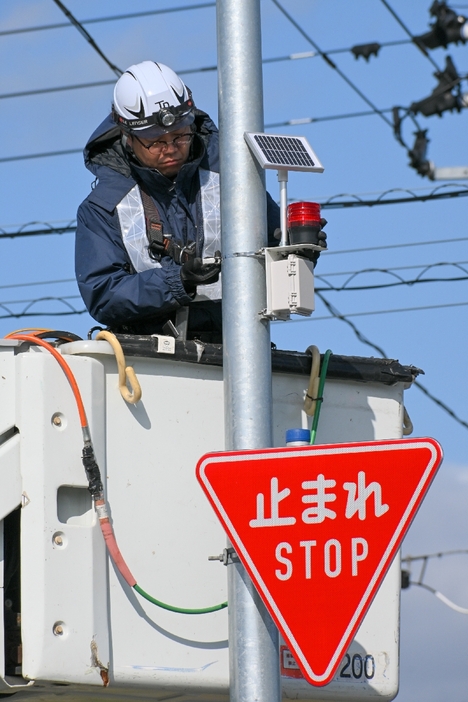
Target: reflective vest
pixel 132 221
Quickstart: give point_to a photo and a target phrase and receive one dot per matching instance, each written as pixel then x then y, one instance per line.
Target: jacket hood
pixel 104 148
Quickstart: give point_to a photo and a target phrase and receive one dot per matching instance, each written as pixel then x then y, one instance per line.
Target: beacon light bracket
pixel 289 273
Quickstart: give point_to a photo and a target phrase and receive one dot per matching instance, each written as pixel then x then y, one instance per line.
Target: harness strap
pixel 160 244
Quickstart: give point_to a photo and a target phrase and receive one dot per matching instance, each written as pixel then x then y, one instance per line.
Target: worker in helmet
pixel 148 235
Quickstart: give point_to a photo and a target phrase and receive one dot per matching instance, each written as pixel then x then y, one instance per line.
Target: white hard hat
pixel 149 98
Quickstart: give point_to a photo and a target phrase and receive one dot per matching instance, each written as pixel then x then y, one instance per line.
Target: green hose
pixel 323 375
pixel 313 434
pixel 181 610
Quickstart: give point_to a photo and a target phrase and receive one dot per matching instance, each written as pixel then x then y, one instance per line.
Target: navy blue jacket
pixel 113 293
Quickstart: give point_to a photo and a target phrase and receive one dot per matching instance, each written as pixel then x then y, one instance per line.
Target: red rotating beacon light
pixel 303 222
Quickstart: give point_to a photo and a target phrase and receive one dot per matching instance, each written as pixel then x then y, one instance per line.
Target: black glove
pixel 194 272
pixel 321 241
pixel 322 236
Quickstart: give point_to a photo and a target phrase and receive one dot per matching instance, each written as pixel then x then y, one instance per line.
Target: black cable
pixel 396 310
pixel 71 227
pixel 365 340
pixel 329 118
pixel 205 69
pixel 58 89
pixel 130 15
pixel 425 266
pixel 440 554
pixel 88 37
pixel 48 298
pixel 42 314
pixel 39 282
pixel 46 154
pixel 47 229
pixel 25 312
pixel 398 246
pixel 441 404
pixel 416 281
pixel 405 28
pixel 327 59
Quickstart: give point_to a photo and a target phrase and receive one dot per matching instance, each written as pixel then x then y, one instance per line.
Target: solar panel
pixel 283 152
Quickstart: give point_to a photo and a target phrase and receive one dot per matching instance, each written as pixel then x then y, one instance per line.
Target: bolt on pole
pixel 253 637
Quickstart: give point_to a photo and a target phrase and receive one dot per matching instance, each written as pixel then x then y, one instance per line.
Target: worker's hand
pixel 321 241
pixel 194 272
pixel 322 236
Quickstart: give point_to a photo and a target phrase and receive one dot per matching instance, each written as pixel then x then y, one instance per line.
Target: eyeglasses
pixel 159 147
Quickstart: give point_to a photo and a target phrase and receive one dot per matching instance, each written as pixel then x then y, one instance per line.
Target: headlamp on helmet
pixel 166 117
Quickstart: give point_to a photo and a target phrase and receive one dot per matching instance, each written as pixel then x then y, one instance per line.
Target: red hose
pixel 114 551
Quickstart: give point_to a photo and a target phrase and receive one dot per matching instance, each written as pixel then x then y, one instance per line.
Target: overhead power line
pixel 327 59
pixel 45 229
pixel 401 245
pixel 312 120
pixel 88 37
pixel 27 310
pixel 424 267
pixel 344 318
pixel 422 49
pixel 440 554
pixel 398 282
pixel 45 154
pixel 406 575
pixel 129 15
pixel 335 273
pixel 65 313
pixel 396 310
pixel 39 282
pixel 204 69
pixel 414 266
pixel 332 204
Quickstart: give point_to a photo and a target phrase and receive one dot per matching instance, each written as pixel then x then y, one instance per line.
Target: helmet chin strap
pixel 124 141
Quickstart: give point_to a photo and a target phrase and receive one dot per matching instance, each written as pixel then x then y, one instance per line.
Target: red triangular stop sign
pixel 317 528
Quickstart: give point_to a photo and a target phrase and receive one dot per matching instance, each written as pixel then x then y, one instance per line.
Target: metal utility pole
pixel 253 638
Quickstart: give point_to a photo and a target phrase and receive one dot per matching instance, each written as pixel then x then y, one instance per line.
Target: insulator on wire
pixel 397 120
pixel 445 96
pixel 448 27
pixel 366 50
pixel 418 155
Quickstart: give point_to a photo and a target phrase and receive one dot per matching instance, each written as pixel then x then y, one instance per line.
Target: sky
pixel 423 324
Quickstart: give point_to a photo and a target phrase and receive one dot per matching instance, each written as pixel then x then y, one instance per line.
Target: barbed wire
pixel 413 266
pixel 397 310
pixel 424 268
pixel 29 304
pixel 434 194
pixel 46 229
pixel 399 279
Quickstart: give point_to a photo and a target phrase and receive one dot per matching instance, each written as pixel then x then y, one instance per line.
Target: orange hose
pixel 64 365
